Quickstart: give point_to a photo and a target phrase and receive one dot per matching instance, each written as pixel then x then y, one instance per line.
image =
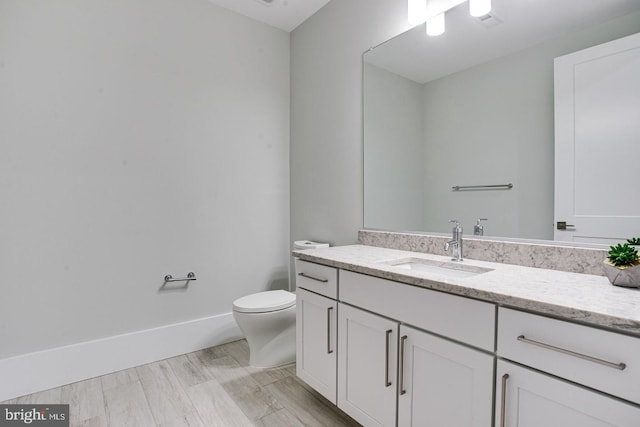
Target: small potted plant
pixel 634 241
pixel 622 266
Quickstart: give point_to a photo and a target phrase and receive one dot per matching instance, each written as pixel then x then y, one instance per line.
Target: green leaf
pixel 622 254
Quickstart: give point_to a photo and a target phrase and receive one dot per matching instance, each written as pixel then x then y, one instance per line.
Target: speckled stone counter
pixel 578 297
pixel 550 255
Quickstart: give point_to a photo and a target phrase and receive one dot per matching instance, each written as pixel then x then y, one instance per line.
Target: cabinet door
pixel 367 352
pixel 316 327
pixel 442 383
pixel 525 398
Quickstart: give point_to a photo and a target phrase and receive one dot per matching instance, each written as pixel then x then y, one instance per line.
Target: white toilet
pixel 268 321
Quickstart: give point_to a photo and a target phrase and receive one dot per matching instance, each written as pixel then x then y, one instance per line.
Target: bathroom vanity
pixel 404 338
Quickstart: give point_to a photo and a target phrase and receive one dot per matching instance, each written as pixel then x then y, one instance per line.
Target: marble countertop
pixel 584 298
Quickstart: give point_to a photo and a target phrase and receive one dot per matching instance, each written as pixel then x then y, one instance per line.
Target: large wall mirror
pixel 475 106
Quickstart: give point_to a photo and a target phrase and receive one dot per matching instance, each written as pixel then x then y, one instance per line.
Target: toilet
pixel 268 322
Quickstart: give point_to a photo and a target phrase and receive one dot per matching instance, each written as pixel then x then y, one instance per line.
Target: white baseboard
pixel 42 370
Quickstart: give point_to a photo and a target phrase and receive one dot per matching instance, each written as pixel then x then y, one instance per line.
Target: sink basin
pixel 438 268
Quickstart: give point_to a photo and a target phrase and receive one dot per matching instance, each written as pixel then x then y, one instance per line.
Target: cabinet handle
pixel 329 350
pixel 403 340
pixel 619 366
pixel 317 279
pixel 503 399
pixel 387 383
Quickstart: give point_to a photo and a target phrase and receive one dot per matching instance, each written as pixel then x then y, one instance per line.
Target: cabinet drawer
pixel 458 318
pixel 317 278
pixel 604 360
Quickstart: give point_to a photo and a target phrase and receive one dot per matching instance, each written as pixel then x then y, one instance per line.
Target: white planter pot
pixel 627 276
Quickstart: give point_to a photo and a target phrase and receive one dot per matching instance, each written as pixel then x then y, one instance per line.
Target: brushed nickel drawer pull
pixel 619 366
pixel 503 399
pixel 403 341
pixel 329 350
pixel 387 383
pixel 308 276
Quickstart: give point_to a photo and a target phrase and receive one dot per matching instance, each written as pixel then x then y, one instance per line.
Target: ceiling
pixel 283 14
pixel 466 42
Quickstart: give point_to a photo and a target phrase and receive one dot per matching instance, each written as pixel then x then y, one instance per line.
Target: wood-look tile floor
pixel 211 387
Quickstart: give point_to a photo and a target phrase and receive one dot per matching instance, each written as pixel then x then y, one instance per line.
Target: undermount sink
pixel 439 268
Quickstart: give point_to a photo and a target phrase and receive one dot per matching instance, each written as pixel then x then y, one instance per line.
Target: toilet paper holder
pixel 190 276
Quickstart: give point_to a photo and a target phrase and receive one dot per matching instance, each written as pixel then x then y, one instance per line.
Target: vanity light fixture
pixel 435 25
pixel 433 11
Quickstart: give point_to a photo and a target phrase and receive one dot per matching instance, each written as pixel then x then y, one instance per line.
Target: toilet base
pixel 280 351
pixel 271 336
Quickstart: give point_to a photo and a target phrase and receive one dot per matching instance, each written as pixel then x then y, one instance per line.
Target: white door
pixel 532 399
pixel 367 349
pixel 316 327
pixel 442 383
pixel 597 143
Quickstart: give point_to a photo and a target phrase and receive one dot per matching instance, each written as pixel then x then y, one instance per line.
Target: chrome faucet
pixel 456 242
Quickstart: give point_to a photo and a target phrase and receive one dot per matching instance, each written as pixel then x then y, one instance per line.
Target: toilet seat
pixel 264 302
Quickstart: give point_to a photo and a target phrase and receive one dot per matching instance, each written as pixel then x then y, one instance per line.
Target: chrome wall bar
pixel 170 278
pixel 482 187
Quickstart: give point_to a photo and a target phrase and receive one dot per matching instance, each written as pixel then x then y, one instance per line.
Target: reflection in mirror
pixel 475 106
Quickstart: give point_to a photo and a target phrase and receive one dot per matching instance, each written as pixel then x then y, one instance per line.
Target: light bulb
pixel 417 11
pixel 435 25
pixel 479 7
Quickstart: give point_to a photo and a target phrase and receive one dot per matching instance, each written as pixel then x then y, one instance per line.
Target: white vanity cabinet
pixel 408 355
pixel 316 327
pixel 389 371
pixel 600 360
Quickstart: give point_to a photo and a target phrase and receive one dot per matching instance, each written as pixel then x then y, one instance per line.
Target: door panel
pixel 444 383
pixel 597 116
pixel 533 400
pixel 367 351
pixel 316 329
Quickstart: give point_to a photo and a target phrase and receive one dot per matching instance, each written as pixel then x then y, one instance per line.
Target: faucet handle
pixel 456 227
pixel 478 229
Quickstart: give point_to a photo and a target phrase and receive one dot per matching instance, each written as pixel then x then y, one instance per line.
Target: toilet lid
pixel 265 301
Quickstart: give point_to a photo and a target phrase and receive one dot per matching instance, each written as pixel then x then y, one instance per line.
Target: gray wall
pixel 494 124
pixel 393 155
pixel 139 138
pixel 326 114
